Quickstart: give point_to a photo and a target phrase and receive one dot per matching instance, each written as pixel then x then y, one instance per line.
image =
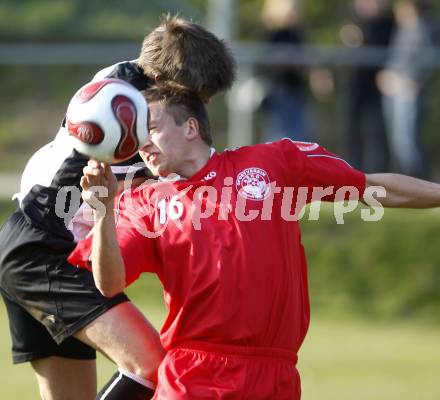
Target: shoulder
pixel 281 155
pixel 128 71
pixel 45 164
pixel 270 148
pixel 275 159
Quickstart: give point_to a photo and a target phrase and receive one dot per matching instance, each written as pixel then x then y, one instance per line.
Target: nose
pixel 147 143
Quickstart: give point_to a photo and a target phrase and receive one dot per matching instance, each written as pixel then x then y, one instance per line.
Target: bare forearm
pixel 107 262
pixel 406 192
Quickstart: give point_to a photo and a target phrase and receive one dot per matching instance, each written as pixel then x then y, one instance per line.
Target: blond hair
pixel 188 54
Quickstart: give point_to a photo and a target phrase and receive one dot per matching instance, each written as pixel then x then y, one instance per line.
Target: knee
pixel 147 364
pixel 145 372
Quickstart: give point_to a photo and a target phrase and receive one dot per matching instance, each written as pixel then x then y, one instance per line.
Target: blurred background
pixel 361 77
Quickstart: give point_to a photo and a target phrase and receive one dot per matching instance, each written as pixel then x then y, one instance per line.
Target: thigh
pixel 78 302
pixel 125 336
pixel 66 379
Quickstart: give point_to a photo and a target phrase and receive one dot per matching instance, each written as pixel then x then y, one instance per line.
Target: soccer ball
pixel 107 120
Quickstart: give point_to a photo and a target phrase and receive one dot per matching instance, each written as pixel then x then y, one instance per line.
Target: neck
pixel 196 161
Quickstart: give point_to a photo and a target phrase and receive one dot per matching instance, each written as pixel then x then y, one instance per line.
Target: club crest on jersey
pixel 253 184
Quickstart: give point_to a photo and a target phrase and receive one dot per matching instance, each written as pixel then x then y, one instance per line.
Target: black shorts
pixel 31 340
pixel 47 299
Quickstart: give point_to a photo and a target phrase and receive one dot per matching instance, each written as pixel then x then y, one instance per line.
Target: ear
pixel 193 129
pixel 156 78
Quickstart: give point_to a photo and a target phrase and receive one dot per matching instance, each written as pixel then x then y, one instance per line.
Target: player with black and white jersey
pixel 57 316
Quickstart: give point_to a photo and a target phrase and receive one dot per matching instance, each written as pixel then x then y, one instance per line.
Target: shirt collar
pixel 176 177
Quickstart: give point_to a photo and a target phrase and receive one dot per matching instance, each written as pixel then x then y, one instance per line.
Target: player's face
pixel 165 152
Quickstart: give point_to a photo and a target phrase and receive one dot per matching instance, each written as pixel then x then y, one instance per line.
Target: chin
pixel 155 172
pixel 162 173
pixel 161 170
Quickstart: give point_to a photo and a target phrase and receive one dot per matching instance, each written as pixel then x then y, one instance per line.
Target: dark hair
pixel 181 104
pixel 422 7
pixel 188 54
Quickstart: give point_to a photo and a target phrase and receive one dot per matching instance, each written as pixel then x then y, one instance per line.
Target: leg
pixel 65 379
pixel 123 385
pixel 125 336
pixel 408 152
pixel 402 127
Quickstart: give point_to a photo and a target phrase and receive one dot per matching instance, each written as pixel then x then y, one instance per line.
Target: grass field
pixel 347 359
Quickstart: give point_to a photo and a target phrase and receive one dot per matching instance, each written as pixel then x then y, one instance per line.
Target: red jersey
pixel 226 246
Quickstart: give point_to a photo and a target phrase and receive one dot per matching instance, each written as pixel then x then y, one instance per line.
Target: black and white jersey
pixel 37 238
pixel 128 71
pixel 57 166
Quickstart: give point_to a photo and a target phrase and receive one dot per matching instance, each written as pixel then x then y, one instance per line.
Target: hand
pixel 99 185
pixel 391 83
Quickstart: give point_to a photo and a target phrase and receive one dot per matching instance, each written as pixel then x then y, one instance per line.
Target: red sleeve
pixel 315 167
pixel 138 251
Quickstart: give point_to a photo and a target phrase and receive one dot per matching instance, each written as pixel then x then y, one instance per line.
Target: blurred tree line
pixel 86 20
pixel 112 20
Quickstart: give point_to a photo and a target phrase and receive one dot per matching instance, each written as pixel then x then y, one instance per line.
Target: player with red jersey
pixel 225 244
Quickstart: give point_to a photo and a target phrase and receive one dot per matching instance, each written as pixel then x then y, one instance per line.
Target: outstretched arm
pixel 405 192
pixel 107 263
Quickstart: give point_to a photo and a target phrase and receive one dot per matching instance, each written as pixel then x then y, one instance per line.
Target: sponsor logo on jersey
pixel 253 184
pixel 210 175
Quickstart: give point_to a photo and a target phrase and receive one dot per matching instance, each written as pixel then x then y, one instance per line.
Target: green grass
pixel 340 359
pixel 349 359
